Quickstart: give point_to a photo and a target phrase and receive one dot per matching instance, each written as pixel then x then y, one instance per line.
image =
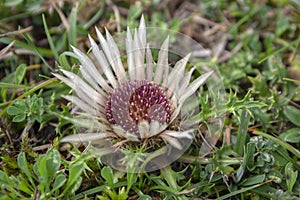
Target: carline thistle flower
pixel 133 104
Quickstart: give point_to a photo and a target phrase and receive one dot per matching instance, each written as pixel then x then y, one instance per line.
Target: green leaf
pixel 291 176
pixel 247 160
pixel 76 185
pixel 45 168
pixel 260 85
pixel 107 174
pixel 282 25
pixel 254 180
pixel 53 163
pixel 50 41
pixel 144 197
pixel 134 12
pixel 23 165
pixel 38 168
pixel 31 43
pixel 4 179
pixel 131 179
pixel 242 132
pixel 97 190
pixel 59 182
pixel 27 93
pixel 285 145
pixel 25 187
pixel 95 17
pixel 9 162
pixel 63 61
pixel 19 118
pixel 293 114
pixel 240 191
pixel 36 109
pixel 292 135
pixel 164 188
pixel 72 32
pixel 20 73
pixel 275 175
pixel 12 3
pixel 74 175
pixel 30 46
pixel 13 110
pixel 170 176
pixel 11 85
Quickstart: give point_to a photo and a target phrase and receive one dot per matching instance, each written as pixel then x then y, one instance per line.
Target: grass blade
pixel 51 44
pixel 242 190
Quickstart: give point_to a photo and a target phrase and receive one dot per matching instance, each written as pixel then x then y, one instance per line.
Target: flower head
pixel 135 104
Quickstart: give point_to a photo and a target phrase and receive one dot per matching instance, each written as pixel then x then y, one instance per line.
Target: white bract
pixel 131 104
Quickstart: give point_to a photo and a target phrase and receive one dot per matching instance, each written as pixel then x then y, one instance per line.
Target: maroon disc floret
pixel 136 101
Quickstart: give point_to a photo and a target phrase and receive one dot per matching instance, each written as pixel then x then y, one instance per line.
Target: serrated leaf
pixel 170 176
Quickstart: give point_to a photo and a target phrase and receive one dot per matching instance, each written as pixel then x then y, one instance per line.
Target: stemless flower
pixel 138 104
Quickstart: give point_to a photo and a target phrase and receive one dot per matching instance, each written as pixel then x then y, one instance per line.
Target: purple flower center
pixel 136 101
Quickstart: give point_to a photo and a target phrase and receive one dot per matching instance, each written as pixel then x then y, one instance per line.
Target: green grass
pixel 257 154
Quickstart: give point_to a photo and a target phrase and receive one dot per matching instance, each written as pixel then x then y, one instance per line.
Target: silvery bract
pixel 136 104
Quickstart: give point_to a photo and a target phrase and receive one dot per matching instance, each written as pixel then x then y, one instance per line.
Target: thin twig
pixel 227 135
pixel 61 15
pixel 230 54
pixel 201 20
pixel 117 14
pixel 17 32
pixel 42 147
pixel 17 52
pixel 9 137
pixel 25 132
pixel 4 50
pixel 219 49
